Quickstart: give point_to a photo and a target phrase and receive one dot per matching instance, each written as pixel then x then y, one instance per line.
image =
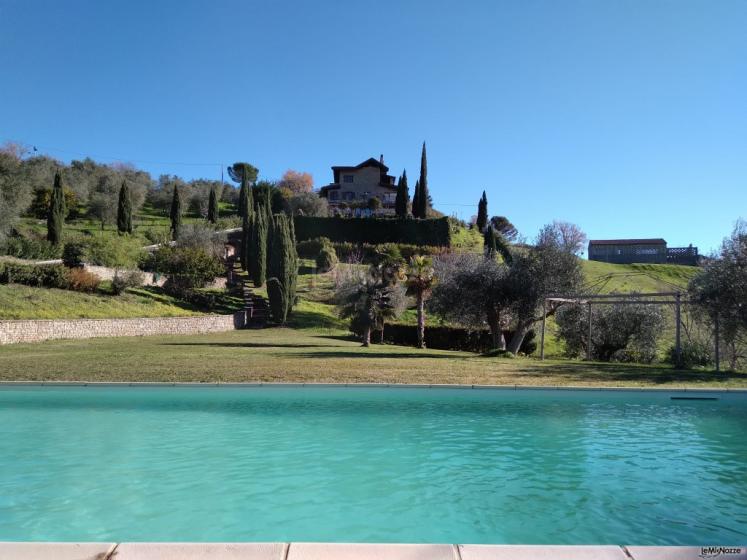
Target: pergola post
pixel 588 340
pixel 718 359
pixel 542 338
pixel 678 329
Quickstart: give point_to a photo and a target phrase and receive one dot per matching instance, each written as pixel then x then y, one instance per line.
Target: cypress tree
pixel 258 256
pixel 416 200
pixel 212 214
pixel 482 212
pixel 423 196
pixel 247 227
pixel 490 242
pixel 403 196
pixel 124 209
pixel 56 213
pixel 176 214
pixel 243 194
pixel 283 270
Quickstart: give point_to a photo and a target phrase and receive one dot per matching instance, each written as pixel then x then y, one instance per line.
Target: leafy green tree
pixel 720 292
pixel 212 214
pixel 420 280
pixel 258 256
pixel 283 269
pixel 403 197
pixel 246 174
pixel 482 212
pixel 176 214
pixel 502 225
pixel 56 216
pixel 124 209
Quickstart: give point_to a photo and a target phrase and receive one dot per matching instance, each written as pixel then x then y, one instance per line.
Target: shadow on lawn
pixel 246 344
pixel 369 355
pixel 623 372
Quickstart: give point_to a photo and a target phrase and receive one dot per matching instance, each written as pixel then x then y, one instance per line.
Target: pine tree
pixel 403 197
pixel 416 200
pixel 423 196
pixel 56 213
pixel 482 212
pixel 258 256
pixel 176 214
pixel 212 215
pixel 124 209
pixel 283 269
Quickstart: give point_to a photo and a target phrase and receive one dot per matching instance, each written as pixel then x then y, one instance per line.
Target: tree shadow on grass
pixel 246 345
pixel 369 355
pixel 627 372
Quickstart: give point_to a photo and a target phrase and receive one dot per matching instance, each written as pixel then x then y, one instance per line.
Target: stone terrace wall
pixel 13 332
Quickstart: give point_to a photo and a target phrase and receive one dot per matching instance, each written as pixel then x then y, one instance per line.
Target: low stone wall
pixel 14 332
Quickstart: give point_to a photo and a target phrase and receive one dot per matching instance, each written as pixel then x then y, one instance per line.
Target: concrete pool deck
pixel 341 551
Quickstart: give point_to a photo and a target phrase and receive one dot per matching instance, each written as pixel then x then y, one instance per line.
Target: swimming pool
pixel 372 465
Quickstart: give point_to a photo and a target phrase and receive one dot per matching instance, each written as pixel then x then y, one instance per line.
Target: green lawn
pixel 292 355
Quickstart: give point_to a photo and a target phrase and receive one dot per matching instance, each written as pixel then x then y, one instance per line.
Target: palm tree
pixel 420 281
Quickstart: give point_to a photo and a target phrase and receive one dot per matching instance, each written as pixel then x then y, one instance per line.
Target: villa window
pixel 347 178
pixel 333 195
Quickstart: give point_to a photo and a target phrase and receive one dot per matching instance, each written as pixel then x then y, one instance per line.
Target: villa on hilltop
pixel 628 251
pixel 354 186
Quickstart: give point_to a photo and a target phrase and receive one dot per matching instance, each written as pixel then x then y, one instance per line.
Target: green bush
pixel 310 248
pixel 692 355
pixel 124 280
pixel 370 254
pixel 326 260
pixel 113 251
pixel 434 232
pixel 47 276
pixel 187 268
pixel 74 254
pixel 30 248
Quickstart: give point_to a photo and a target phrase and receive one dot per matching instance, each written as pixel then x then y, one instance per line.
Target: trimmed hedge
pixel 369 254
pixel 450 338
pixel 434 231
pixel 46 276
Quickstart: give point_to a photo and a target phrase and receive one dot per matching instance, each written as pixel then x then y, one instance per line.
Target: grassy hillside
pixel 606 278
pixel 25 302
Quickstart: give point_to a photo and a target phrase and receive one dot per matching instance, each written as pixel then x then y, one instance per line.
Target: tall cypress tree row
pixel 423 196
pixel 283 270
pixel 247 230
pixel 403 196
pixel 416 200
pixel 212 214
pixel 56 213
pixel 258 256
pixel 482 212
pixel 124 209
pixel 176 214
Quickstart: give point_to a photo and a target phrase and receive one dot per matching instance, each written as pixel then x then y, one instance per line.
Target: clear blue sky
pixel 626 117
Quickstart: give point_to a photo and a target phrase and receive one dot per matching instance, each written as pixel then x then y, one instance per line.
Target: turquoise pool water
pixel 371 464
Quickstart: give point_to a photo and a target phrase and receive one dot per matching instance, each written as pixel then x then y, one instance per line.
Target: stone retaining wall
pixel 14 332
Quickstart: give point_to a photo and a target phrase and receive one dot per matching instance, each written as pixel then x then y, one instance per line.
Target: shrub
pixel 370 254
pixel 30 248
pixel 692 355
pixel 434 232
pixel 81 280
pixel 326 260
pixel 113 251
pixel 187 268
pixel 47 276
pixel 74 254
pixel 128 279
pixel 310 248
